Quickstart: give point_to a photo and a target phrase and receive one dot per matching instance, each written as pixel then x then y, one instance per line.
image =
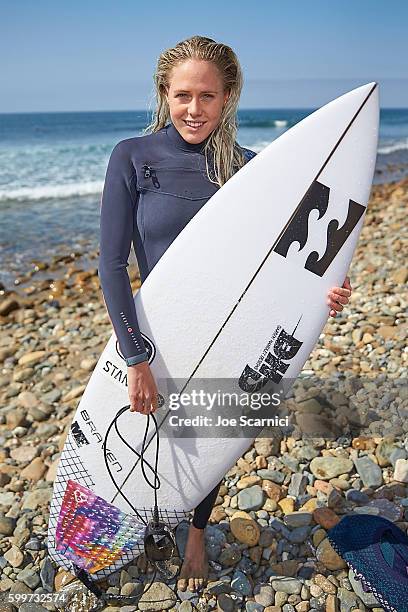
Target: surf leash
pixel 159 541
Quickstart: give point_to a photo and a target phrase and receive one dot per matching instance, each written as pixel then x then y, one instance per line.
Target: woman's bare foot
pixel 194 571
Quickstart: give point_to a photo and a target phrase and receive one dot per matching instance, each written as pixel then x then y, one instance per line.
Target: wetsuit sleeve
pixel 118 211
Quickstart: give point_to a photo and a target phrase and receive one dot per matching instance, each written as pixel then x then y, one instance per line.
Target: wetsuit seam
pixel 175 195
pixel 129 185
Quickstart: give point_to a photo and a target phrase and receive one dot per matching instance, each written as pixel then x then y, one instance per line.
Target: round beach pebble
pixel 251 498
pixel 244 528
pixel 325 468
pixel 326 554
pixel 325 517
pixel 247 481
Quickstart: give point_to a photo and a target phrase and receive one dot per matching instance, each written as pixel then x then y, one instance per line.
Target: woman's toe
pixel 199 583
pixel 182 584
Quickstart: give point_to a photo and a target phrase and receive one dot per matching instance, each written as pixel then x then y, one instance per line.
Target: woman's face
pixel 196 97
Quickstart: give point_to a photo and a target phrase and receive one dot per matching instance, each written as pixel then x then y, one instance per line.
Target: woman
pixel 154 185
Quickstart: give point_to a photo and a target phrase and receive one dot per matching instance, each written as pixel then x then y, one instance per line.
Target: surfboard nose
pixel 365 91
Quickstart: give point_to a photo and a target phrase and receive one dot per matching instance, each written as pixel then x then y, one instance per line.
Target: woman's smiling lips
pixel 194 125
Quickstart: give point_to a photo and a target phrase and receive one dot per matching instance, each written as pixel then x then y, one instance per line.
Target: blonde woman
pixel 154 185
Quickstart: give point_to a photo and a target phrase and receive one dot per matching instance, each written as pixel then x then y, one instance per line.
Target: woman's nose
pixel 194 108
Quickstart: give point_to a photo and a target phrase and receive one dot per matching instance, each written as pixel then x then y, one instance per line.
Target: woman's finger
pixel 340 291
pixel 146 404
pixel 347 284
pixel 335 304
pixel 136 403
pixel 334 298
pixel 337 307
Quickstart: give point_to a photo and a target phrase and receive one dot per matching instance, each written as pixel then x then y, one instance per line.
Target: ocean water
pixel 52 167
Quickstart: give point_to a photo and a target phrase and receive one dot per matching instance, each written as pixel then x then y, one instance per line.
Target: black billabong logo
pixel 78 434
pixel 317 197
pixel 272 363
pixel 150 348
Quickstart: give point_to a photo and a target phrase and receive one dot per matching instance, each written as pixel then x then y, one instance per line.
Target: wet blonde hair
pixel 221 145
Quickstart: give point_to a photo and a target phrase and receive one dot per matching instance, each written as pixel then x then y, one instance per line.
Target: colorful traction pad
pixel 92 533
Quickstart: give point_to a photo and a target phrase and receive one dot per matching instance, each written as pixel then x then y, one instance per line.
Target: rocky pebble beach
pixel 345 452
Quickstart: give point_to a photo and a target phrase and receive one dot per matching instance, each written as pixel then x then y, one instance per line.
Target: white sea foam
pixel 46 192
pixel 280 122
pixel 399 145
pixel 259 145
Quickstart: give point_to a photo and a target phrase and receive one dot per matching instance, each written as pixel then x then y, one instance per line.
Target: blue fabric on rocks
pixel 377 552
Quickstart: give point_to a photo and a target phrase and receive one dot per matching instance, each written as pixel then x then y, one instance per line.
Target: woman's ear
pixel 226 96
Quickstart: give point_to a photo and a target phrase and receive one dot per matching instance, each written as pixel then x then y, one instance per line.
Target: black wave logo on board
pixel 150 348
pixel 272 365
pixel 317 197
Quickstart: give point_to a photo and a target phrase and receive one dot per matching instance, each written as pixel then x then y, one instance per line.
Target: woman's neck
pixel 179 142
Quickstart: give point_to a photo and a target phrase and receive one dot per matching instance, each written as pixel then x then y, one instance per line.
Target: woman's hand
pixel 338 297
pixel 142 388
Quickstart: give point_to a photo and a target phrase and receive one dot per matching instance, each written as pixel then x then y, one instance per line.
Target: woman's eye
pixel 184 95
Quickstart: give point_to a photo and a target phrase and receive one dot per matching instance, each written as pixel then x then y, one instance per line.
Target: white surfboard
pixel 240 293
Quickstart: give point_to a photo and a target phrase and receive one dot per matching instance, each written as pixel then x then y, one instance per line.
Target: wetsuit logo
pixel 78 434
pixel 317 198
pixel 272 363
pixel 150 348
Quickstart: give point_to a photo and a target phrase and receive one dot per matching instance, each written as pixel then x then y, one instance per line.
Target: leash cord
pixel 154 485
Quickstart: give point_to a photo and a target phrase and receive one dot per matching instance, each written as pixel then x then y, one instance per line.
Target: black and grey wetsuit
pixel 154 186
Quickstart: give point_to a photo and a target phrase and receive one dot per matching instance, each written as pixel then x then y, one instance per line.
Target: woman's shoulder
pixel 129 151
pixel 129 145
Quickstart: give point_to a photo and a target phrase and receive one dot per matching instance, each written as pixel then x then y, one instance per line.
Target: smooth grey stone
pixel 348 600
pixel 241 583
pixel 291 586
pixel 273 475
pixel 251 498
pixel 33 544
pixel 368 599
pixel 398 453
pixel 370 472
pixel 299 534
pixel 252 606
pixel 297 485
pixel 29 577
pixel 47 574
pixel 357 497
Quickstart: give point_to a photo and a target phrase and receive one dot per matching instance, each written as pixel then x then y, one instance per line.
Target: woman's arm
pixel 118 211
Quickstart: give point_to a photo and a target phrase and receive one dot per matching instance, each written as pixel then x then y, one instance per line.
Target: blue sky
pixel 100 55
